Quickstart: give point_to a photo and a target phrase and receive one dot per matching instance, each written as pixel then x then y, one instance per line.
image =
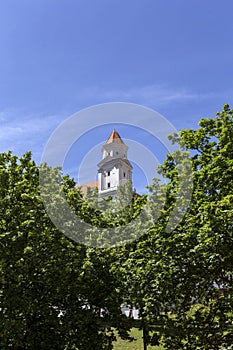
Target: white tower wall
pixel 114 169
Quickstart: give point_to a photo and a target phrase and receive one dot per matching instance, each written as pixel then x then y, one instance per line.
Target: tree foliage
pixel 182 281
pixel 54 293
pixel 59 294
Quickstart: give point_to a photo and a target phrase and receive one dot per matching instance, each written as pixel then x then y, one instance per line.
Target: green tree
pixel 115 221
pixel 182 280
pixel 59 294
pixel 54 292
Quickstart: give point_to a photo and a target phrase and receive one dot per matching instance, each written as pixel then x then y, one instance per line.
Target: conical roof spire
pixel 114 137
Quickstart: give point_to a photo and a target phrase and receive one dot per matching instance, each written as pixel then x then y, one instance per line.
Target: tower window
pixel 123 174
pixel 108 184
pixel 108 173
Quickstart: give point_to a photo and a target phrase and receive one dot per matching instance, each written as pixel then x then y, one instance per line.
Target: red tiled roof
pixel 83 188
pixel 114 137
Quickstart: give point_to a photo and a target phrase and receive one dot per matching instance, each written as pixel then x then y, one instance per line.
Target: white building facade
pixel 114 169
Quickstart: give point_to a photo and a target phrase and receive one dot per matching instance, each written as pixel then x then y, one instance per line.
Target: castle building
pixel 114 169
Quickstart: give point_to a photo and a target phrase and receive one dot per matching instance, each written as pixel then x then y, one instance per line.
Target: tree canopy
pixel 182 281
pixel 58 293
pixel 55 293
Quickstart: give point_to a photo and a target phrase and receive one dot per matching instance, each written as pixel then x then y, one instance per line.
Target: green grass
pixel 135 345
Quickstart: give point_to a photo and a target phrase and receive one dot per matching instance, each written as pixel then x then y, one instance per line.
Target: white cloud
pixel 149 95
pixel 21 132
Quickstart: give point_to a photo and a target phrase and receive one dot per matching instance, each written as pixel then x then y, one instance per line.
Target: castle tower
pixel 114 168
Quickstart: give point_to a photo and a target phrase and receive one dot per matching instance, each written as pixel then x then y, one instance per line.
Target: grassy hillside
pixel 135 345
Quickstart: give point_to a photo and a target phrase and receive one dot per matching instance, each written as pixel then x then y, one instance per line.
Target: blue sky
pixel 60 56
